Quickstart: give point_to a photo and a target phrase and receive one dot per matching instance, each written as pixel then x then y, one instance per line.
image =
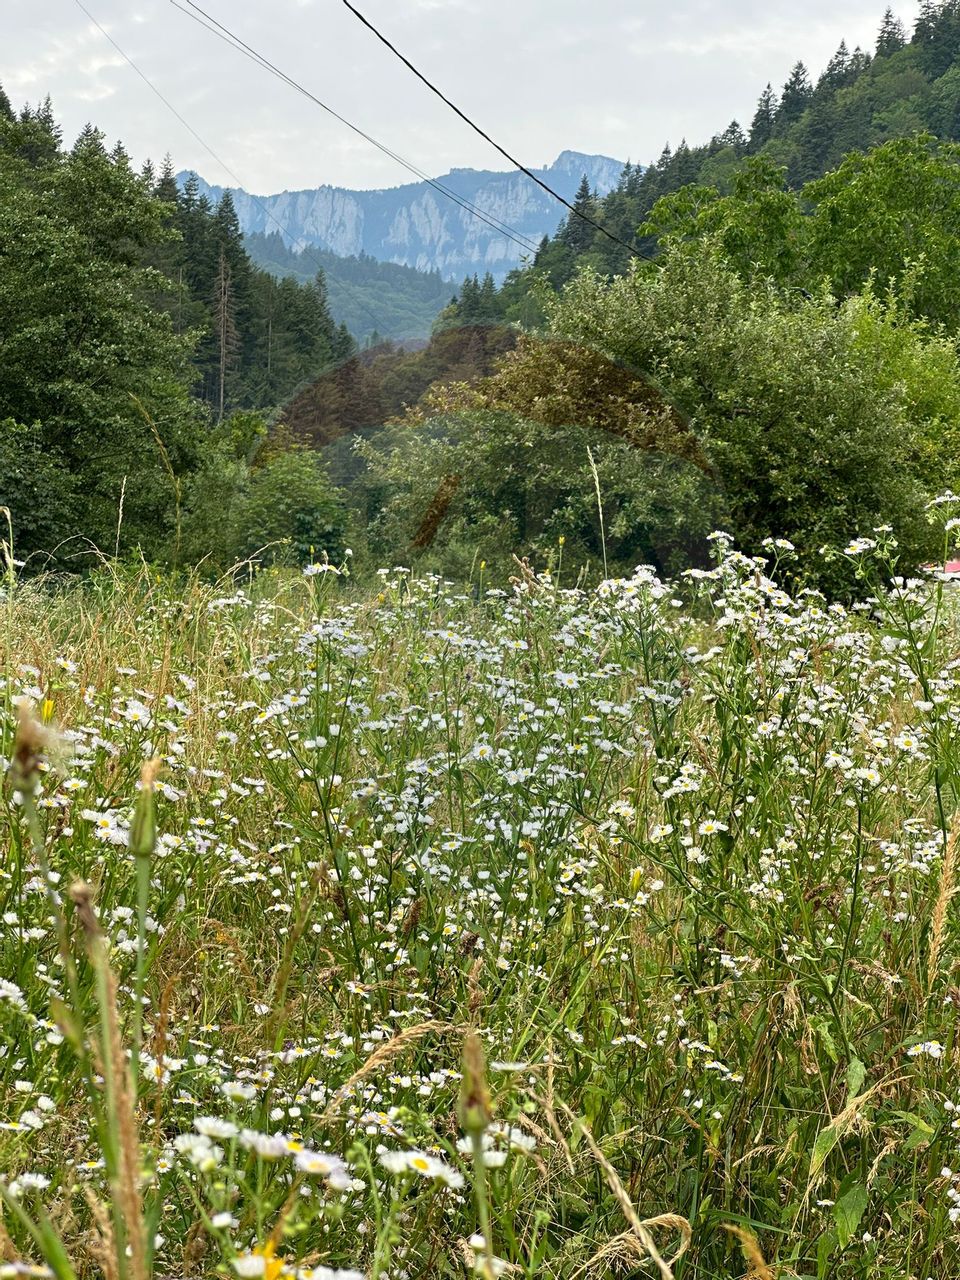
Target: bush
pixel 37 488
pixel 289 512
pixel 706 401
pixel 821 420
pixel 485 484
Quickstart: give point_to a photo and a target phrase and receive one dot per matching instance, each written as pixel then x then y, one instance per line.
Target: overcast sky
pixel 618 77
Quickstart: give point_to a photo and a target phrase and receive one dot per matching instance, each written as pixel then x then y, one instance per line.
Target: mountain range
pixel 418 226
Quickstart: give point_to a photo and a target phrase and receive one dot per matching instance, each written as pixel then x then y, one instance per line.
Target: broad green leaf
pixel 856 1074
pixel 848 1211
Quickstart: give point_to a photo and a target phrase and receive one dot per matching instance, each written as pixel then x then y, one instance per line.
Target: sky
pixel 615 77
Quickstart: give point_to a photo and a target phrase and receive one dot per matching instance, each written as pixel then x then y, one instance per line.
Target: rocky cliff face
pixel 420 227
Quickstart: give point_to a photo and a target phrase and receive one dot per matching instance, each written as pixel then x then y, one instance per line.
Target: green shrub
pixel 485 485
pixel 822 420
pixel 289 511
pixel 37 487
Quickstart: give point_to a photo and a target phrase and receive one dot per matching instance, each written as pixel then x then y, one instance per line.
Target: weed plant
pixel 539 932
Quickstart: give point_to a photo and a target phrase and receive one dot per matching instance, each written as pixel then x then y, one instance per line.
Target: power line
pixel 153 88
pixel 231 38
pixel 301 244
pixel 637 253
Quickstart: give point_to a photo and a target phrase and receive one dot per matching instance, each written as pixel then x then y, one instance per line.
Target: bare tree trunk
pixel 226 332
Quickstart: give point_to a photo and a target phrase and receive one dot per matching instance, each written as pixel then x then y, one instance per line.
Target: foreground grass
pixel 681 871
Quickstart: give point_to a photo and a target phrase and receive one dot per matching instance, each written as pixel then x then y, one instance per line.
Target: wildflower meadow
pixel 427 930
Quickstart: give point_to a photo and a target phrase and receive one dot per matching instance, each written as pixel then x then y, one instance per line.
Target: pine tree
pixel 489 311
pixel 764 118
pixel 577 233
pixel 859 62
pixel 166 184
pixel 928 20
pixel 193 223
pixel 89 142
pixel 815 136
pixel 228 239
pixel 39 134
pixel 227 220
pixel 6 110
pixel 938 35
pixel 892 35
pixel 190 194
pixel 468 302
pixel 732 136
pixel 343 343
pixel 795 97
pixel 837 69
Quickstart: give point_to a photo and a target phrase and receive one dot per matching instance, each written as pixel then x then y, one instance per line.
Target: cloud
pixel 72 57
pixel 540 75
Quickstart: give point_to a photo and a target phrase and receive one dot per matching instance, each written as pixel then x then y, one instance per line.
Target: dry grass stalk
pixel 844 1122
pixel 278 991
pixel 759 1269
pixel 126 1177
pixel 549 1111
pixel 626 1248
pixel 474 990
pixel 640 1227
pixel 527 578
pixel 219 935
pixel 102 1245
pixel 386 1053
pixel 887 1149
pixel 941 908
pixel 765 1150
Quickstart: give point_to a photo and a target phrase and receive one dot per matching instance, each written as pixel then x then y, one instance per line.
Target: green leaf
pixel 848 1211
pixel 826 1140
pixel 921 1131
pixel 829 1044
pixel 856 1074
pixel 828 1242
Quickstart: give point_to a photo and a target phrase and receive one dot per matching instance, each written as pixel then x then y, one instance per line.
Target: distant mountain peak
pixel 570 159
pixel 418 226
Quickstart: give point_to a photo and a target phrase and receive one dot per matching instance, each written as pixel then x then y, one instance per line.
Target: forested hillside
pixel 908 84
pixel 779 358
pixel 374 300
pixel 260 337
pixel 134 330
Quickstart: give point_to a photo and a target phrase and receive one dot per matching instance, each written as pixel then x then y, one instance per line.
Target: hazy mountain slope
pixel 366 295
pixel 419 227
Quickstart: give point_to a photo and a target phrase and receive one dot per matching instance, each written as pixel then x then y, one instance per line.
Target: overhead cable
pixel 584 217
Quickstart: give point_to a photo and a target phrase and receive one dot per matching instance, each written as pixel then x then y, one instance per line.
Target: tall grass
pixel 550 933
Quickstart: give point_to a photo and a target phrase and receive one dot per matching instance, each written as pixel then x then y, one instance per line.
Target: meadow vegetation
pixel 515 910
pixel 537 931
